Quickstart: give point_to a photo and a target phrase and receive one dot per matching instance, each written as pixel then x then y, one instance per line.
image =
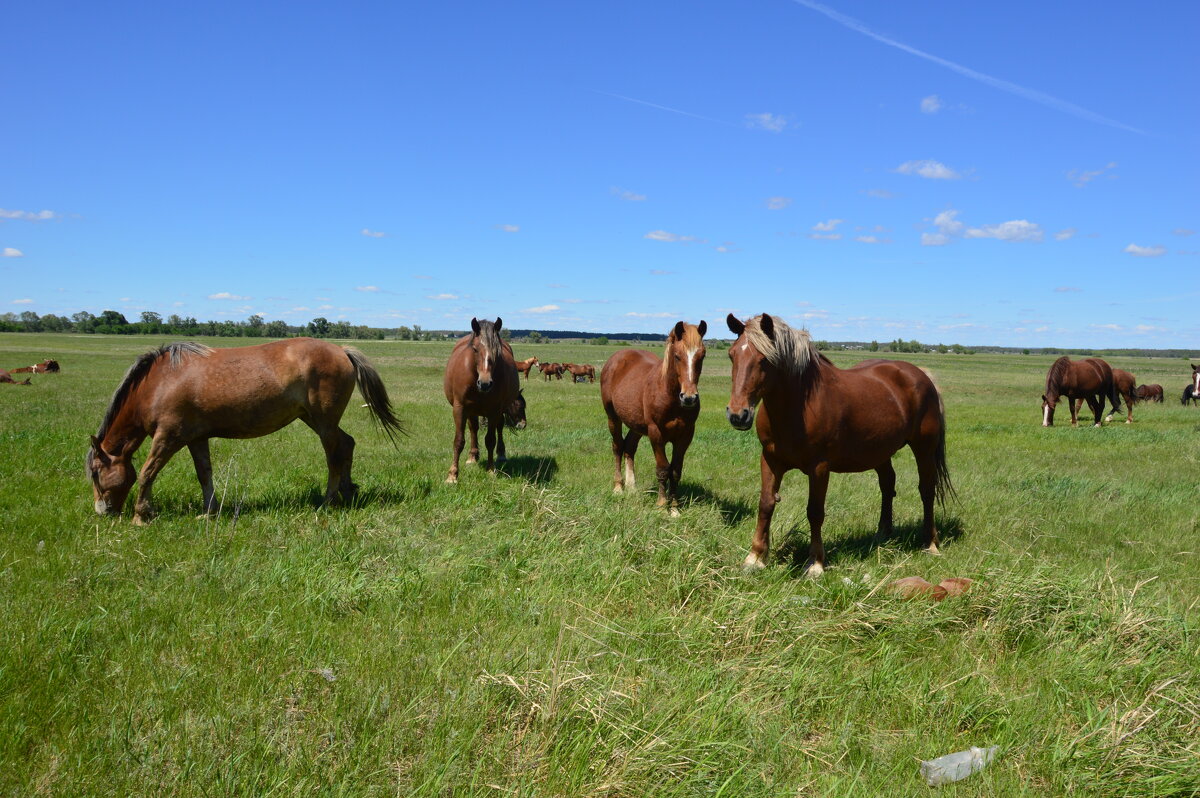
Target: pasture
pixel 534 634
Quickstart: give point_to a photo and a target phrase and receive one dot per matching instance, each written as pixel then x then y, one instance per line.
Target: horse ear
pixel 677 331
pixel 735 326
pixel 702 327
pixel 475 325
pixel 98 448
pixel 768 326
pixel 499 323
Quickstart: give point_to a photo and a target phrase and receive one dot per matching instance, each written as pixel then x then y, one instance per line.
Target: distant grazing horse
pixel 658 399
pixel 5 377
pixel 481 380
pixel 821 419
pixel 45 367
pixel 525 366
pixel 1189 394
pixel 551 370
pixel 185 393
pixel 1149 393
pixel 579 370
pixel 1089 380
pixel 1123 388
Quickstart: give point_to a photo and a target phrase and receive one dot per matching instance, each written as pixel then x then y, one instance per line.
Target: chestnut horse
pixel 45 367
pixel 1123 388
pixel 185 393
pixel 821 419
pixel 6 377
pixel 551 370
pixel 659 399
pixel 525 366
pixel 581 370
pixel 481 380
pixel 1149 393
pixel 1089 380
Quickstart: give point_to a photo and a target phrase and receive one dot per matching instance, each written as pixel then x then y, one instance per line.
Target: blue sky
pixel 1021 173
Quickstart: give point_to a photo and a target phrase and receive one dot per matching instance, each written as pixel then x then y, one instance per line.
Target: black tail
pixel 371 387
pixel 943 488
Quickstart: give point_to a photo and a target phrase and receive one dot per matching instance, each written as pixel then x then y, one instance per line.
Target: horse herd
pixel 578 371
pixel 1092 380
pixel 809 414
pixel 45 367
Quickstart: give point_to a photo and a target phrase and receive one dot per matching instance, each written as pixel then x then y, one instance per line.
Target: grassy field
pixel 535 635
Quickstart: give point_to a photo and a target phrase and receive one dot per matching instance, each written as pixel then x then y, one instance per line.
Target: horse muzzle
pixel 689 399
pixel 740 421
pixel 483 386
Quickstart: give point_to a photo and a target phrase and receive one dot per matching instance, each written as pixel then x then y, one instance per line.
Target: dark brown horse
pixel 45 367
pixel 658 399
pixel 6 377
pixel 1149 393
pixel 821 419
pixel 1189 395
pixel 580 370
pixel 1124 387
pixel 184 394
pixel 525 366
pixel 1089 380
pixel 481 380
pixel 551 370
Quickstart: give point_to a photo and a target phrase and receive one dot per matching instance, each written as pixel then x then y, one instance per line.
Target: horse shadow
pixel 534 470
pixel 732 512
pixel 861 546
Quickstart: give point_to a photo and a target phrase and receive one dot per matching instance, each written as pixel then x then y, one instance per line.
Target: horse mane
pixel 1058 370
pixel 691 338
pixel 491 339
pixel 138 371
pixel 791 351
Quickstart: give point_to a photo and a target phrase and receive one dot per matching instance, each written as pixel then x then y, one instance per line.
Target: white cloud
pixel 22 301
pixel 778 203
pixel 1081 177
pixel 1148 328
pixel 367 289
pixel 827 226
pixel 931 104
pixel 227 295
pixel 635 315
pixel 29 216
pixel 931 170
pixel 1146 252
pixel 1016 230
pixel 373 233
pixel 934 239
pixel 767 121
pixel 1183 231
pixel 879 193
pixel 872 240
pixel 1067 289
pixel 541 309
pixel 443 296
pixel 826 236
pixel 663 235
pixel 509 228
pixel 628 196
pixel 947 224
pixel 1064 234
pixel 12 252
pixel 1112 327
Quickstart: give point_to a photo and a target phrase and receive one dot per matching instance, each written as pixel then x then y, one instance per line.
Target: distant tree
pixel 112 318
pixel 873 346
pixel 505 334
pixel 1024 351
pixel 276 329
pixel 318 327
pixel 52 323
pixel 254 326
pixel 534 337
pixel 600 340
pixel 84 322
pixel 30 321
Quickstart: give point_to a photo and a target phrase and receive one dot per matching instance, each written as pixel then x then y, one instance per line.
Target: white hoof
pixel 932 551
pixel 813 570
pixel 674 512
pixel 452 480
pixel 753 563
pixel 618 490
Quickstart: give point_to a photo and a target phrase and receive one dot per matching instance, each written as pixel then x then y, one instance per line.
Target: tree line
pixel 112 322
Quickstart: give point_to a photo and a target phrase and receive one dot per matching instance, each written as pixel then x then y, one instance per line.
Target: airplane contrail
pixel 1003 85
pixel 664 108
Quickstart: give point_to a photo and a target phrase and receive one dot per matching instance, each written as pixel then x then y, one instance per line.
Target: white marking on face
pixel 101 507
pixel 1046 416
pixel 691 361
pixel 1196 382
pixel 745 347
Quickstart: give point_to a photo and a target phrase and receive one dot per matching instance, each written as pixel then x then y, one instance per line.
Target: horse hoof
pixel 142 520
pixel 618 490
pixel 674 512
pixel 932 550
pixel 753 563
pixel 813 570
pixel 452 480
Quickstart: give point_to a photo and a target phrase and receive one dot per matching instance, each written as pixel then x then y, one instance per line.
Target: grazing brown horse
pixel 481 380
pixel 5 377
pixel 551 370
pixel 1089 380
pixel 821 419
pixel 45 367
pixel 658 399
pixel 183 394
pixel 1149 393
pixel 581 370
pixel 525 366
pixel 1123 388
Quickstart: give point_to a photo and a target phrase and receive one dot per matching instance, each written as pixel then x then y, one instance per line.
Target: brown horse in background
pixel 1089 380
pixel 1124 387
pixel 5 377
pixel 525 366
pixel 1149 393
pixel 821 419
pixel 481 380
pixel 45 367
pixel 183 394
pixel 658 399
pixel 551 370
pixel 581 370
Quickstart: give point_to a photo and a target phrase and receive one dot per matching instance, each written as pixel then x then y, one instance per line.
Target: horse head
pixel 685 357
pixel 1049 401
pixel 752 373
pixel 112 475
pixel 485 343
pixel 514 414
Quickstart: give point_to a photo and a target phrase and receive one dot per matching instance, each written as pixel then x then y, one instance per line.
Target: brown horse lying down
pixel 183 394
pixel 659 399
pixel 5 377
pixel 481 380
pixel 1149 393
pixel 45 367
pixel 525 366
pixel 581 370
pixel 1089 380
pixel 821 419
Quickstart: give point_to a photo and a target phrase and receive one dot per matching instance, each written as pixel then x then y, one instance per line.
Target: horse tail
pixel 371 387
pixel 943 488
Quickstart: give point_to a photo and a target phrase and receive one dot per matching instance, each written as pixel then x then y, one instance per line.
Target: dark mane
pixel 491 338
pixel 137 372
pixel 1054 378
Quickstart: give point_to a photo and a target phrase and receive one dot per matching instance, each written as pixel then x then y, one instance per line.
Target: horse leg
pixel 203 463
pixel 459 422
pixel 618 450
pixel 160 452
pixel 489 440
pixel 473 452
pixel 818 485
pixel 339 455
pixel 662 470
pixel 927 486
pixel 630 446
pixel 1074 404
pixel 501 458
pixel 768 497
pixel 678 450
pixel 887 492
pixel 1097 408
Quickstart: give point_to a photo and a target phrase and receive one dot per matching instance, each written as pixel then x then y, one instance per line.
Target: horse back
pixel 625 378
pixel 883 399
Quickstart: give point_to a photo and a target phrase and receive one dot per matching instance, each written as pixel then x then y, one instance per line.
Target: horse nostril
pixel 484 386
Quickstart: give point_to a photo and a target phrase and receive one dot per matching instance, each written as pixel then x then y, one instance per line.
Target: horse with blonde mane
pixel 183 394
pixel 525 366
pixel 820 419
pixel 658 399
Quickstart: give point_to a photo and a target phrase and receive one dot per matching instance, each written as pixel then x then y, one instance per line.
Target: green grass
pixel 536 635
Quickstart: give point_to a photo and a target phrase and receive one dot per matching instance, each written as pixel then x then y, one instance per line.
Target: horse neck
pixel 794 392
pixel 666 381
pixel 128 429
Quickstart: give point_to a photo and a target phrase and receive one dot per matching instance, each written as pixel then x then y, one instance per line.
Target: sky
pixel 1019 174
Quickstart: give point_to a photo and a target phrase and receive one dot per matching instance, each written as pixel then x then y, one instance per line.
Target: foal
pixel 657 399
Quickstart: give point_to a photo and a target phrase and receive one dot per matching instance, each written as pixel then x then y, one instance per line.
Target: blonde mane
pixel 790 351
